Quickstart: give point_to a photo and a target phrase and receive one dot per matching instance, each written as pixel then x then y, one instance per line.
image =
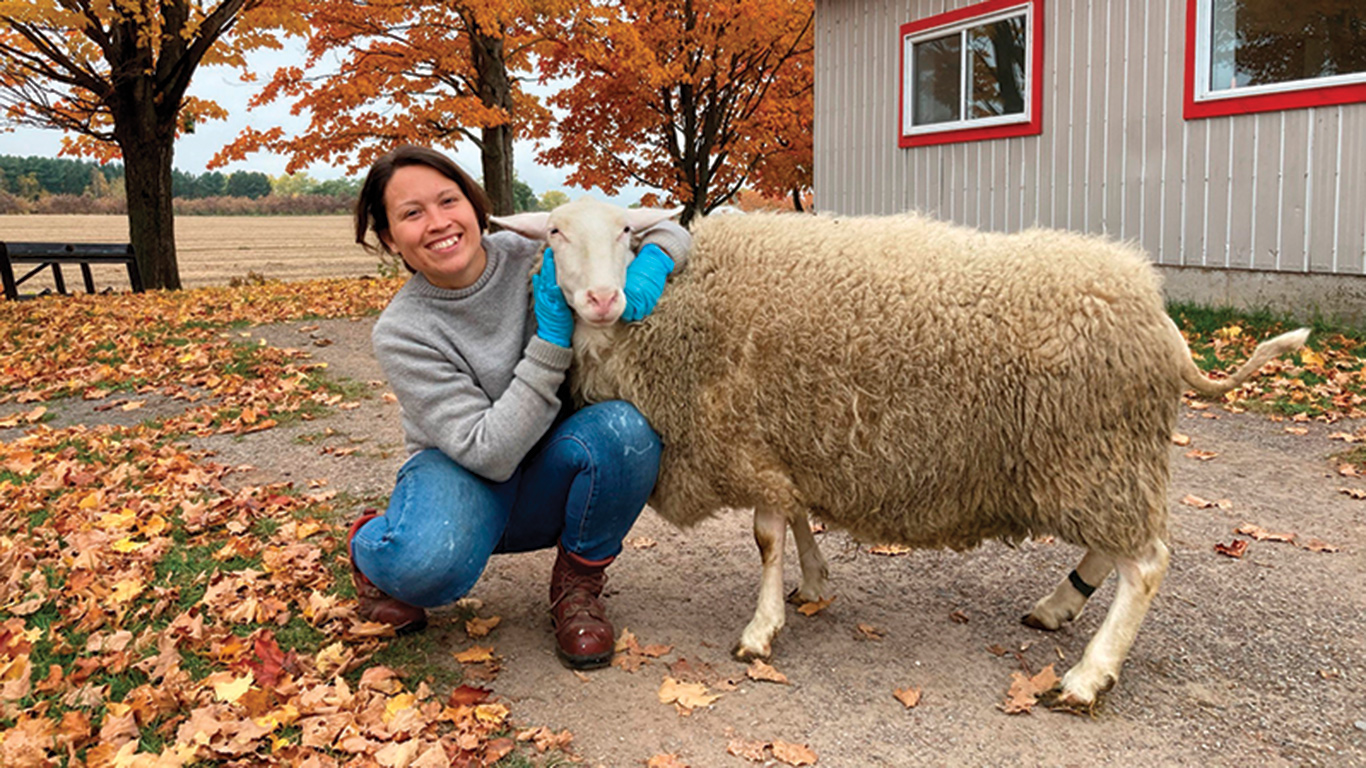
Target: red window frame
pixel 1300 98
pixel 1033 127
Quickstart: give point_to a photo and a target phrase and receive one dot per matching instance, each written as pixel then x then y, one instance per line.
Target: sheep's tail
pixel 1266 352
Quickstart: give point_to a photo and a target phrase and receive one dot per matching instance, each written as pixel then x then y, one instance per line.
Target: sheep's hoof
pixel 1068 702
pixel 742 653
pixel 797 597
pixel 1032 621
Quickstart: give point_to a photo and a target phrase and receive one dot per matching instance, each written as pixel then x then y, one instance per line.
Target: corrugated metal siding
pixel 1278 191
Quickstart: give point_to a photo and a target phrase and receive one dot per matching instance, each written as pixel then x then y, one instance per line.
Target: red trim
pixel 1321 96
pixel 1032 128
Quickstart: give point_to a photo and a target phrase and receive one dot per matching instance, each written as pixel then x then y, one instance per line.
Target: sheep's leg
pixel 1098 670
pixel 1067 600
pixel 815 573
pixel 770 533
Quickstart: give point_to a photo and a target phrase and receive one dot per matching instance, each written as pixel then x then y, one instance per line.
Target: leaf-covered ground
pixel 154 614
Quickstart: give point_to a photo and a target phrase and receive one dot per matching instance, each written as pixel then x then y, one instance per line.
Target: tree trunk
pixel 495 90
pixel 151 221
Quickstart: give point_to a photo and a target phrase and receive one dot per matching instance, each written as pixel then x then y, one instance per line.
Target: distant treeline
pixel 60 185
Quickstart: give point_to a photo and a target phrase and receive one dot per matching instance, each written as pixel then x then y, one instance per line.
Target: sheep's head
pixel 592 245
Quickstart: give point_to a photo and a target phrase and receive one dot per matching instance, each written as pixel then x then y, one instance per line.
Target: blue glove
pixel 645 282
pixel 554 319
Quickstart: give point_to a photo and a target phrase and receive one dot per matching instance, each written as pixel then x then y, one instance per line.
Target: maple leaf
pixel 793 754
pixel 688 696
pixel 474 655
pixel 1235 548
pixel 760 671
pixel 477 627
pixel 1024 690
pixel 1261 534
pixel 909 697
pixel 813 608
pixel 870 632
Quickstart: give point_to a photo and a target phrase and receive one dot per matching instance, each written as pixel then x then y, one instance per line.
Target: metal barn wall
pixel 1282 192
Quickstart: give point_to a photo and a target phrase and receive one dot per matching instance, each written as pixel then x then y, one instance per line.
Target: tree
pixel 523 196
pixel 687 96
pixel 250 184
pixel 116 75
pixel 552 199
pixel 292 184
pixel 421 73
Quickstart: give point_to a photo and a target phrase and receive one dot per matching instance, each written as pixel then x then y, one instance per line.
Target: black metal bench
pixel 54 255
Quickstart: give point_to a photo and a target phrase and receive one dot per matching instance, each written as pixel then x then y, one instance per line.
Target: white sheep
pixel 907 380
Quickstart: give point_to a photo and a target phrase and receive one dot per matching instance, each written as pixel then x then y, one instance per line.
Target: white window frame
pixel 965 72
pixel 1203 66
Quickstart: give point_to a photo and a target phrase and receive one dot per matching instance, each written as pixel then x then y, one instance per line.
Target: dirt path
pixel 1251 661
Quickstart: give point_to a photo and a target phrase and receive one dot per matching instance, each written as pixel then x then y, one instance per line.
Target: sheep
pixel 907 380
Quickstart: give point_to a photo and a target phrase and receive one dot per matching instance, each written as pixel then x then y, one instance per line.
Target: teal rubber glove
pixel 554 319
pixel 645 282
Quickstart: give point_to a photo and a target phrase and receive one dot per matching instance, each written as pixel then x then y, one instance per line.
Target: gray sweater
pixel 470 373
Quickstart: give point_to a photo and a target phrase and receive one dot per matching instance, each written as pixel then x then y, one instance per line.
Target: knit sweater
pixel 471 375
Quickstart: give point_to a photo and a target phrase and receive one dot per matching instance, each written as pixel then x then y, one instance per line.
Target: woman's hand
pixel 645 278
pixel 554 319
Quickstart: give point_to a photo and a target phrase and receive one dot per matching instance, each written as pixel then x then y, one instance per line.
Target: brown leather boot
pixel 373 604
pixel 582 632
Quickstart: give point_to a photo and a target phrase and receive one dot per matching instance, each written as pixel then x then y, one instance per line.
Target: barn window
pixel 972 73
pixel 1261 55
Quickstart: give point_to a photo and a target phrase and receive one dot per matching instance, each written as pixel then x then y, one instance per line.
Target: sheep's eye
pixel 554 230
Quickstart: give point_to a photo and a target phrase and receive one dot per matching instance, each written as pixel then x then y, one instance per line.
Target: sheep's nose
pixel 601 299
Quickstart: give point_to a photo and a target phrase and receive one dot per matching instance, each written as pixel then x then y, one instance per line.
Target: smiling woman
pixel 498 462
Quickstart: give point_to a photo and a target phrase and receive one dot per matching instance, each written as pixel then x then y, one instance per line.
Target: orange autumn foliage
pixel 387 72
pixel 694 98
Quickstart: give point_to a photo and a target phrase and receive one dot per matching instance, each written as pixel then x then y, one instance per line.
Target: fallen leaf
pixel 793 754
pixel 1318 545
pixel 1356 493
pixel 1024 690
pixel 1201 455
pixel 870 632
pixel 811 609
pixel 687 695
pixel 1348 470
pixel 477 627
pixel 958 617
pixel 1236 548
pixel 907 696
pixel 1192 500
pixel 474 655
pixel 468 696
pixel 641 542
pixel 890 550
pixel 762 672
pixel 1180 439
pixel 1261 534
pixel 996 650
pixel 1297 430
pixel 749 750
pixel 233 688
pixel 666 761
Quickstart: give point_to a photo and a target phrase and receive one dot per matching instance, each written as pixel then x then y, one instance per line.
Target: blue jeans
pixel 583 485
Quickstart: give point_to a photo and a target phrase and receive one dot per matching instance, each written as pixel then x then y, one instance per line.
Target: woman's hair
pixel 370 212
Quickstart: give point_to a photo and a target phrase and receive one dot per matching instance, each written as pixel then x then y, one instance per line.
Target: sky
pixel 224 85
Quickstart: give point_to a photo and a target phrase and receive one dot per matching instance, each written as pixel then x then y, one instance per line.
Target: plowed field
pixel 211 250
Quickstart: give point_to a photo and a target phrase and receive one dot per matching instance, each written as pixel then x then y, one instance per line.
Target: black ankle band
pixel 1085 589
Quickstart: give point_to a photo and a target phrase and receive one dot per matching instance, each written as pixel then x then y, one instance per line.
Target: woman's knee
pixel 432 544
pixel 615 428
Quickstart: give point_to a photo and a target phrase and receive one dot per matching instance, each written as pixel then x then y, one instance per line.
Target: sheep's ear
pixel 533 225
pixel 644 218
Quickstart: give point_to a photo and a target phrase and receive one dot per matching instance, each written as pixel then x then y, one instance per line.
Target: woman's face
pixel 433 227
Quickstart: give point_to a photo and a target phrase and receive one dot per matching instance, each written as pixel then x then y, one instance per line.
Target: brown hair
pixel 370 213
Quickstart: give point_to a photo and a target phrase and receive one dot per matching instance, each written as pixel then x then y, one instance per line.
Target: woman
pixel 498 461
